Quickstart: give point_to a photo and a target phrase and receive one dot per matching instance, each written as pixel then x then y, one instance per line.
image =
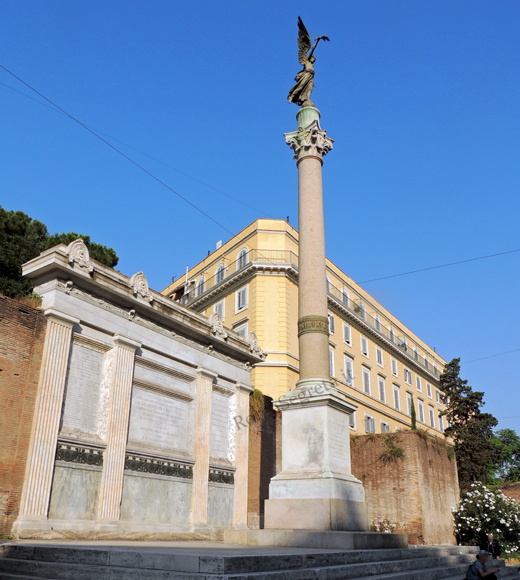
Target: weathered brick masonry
pixel 22 333
pixel 417 490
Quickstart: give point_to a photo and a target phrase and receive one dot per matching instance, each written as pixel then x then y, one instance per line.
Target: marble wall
pixel 220 505
pixel 75 493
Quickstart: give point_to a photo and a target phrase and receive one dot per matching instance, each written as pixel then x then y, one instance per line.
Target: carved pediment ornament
pixel 217 328
pixel 77 253
pixel 255 347
pixel 140 287
pixel 309 142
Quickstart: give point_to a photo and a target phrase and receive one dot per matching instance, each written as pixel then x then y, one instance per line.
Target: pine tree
pixel 470 429
pixel 22 239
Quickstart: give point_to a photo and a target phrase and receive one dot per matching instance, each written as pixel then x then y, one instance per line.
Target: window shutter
pixel 366 382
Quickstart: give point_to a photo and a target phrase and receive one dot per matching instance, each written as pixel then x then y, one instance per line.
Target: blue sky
pixel 422 99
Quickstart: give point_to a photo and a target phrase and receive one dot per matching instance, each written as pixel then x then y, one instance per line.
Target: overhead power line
pixel 117 150
pixel 441 266
pixel 145 154
pixel 490 356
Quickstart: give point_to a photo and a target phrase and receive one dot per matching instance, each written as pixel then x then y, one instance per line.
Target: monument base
pixel 316 514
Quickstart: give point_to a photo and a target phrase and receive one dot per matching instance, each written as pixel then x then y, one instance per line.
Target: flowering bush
pixel 483 512
pixel 382 525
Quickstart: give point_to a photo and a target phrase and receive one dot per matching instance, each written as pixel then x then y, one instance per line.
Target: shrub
pixel 383 525
pixel 481 512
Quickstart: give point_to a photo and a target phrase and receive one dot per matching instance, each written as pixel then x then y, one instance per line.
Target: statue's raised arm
pixel 301 92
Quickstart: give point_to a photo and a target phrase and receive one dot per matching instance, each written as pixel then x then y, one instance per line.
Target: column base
pixel 316 514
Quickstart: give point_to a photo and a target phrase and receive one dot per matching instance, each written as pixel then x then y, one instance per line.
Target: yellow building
pixel 251 281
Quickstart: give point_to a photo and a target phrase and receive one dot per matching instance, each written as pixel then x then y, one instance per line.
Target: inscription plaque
pixel 157 420
pixel 159 378
pixel 219 425
pixel 80 410
pixel 338 431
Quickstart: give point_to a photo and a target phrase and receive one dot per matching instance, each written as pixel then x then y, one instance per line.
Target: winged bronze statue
pixel 301 92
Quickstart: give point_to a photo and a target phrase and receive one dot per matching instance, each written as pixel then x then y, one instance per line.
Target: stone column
pixel 315 489
pixel 241 458
pixel 47 412
pixel 199 492
pixel 111 486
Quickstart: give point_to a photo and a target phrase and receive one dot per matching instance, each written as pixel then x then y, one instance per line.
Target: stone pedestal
pixel 315 489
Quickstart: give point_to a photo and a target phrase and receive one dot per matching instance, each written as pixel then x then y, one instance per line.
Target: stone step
pixel 227 564
pixel 70 571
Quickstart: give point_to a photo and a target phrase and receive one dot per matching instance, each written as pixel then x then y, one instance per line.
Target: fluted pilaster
pixel 241 458
pixel 111 487
pixel 49 400
pixel 199 497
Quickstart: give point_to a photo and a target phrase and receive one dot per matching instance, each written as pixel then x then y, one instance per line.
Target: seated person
pixel 478 570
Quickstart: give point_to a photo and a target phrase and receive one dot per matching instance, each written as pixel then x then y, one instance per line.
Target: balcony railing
pixel 199 284
pixel 348 298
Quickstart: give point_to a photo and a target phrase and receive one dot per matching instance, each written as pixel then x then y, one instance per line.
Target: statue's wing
pixel 304 42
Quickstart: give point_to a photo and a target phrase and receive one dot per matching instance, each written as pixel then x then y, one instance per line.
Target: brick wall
pixel 512 490
pixel 22 333
pixel 264 461
pixel 416 491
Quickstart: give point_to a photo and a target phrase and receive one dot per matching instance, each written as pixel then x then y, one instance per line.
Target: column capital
pixel 310 141
pixel 205 374
pixel 126 342
pixel 242 387
pixel 61 318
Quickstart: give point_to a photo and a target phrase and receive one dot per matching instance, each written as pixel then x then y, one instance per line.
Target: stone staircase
pixel 76 561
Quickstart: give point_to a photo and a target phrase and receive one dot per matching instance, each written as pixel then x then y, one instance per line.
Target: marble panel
pixel 74 493
pixel 220 505
pixel 156 501
pixel 219 425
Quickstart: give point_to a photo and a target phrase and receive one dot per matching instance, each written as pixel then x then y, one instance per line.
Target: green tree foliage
pixel 507 468
pixel 22 239
pixel 470 429
pixel 413 416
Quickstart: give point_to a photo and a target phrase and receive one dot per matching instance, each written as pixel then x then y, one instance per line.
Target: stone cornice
pixel 106 285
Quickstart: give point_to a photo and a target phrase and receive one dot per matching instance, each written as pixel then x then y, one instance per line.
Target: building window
pixel 221 272
pixel 349 372
pixel 366 381
pixel 441 423
pixel 396 399
pixel 403 344
pixel 429 390
pixel 421 411
pixel 382 393
pixel 415 354
pixel 432 417
pixel 385 427
pixel 379 354
pixel 364 346
pixel 328 284
pixel 394 367
pixel 241 299
pixel 391 334
pixel 409 404
pixel 218 308
pixel 344 298
pixel 242 258
pixel 419 385
pixel 352 420
pixel 407 376
pixel 331 323
pixel 370 424
pixel 438 395
pixel 347 334
pixel 200 286
pixel 377 323
pixel 426 363
pixel 361 310
pixel 331 361
pixel 435 371
pixel 241 329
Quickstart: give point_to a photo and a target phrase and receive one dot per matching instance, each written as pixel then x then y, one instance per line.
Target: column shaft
pixel 241 459
pixel 312 292
pixel 111 487
pixel 51 384
pixel 199 493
